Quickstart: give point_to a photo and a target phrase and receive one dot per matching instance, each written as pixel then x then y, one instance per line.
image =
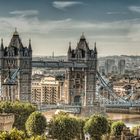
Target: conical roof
pixel 83 45
pixel 15 40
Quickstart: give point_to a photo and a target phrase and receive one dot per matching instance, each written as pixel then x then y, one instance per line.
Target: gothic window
pixel 72 75
pixel 25 64
pixel 25 89
pixel 78 75
pixel 10 52
pixel 25 52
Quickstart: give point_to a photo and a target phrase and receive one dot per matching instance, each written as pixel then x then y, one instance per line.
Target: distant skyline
pixel 51 24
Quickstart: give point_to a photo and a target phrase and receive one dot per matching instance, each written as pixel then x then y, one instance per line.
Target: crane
pixel 10 81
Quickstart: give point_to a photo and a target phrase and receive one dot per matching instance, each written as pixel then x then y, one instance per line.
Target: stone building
pixel 82 81
pixel 12 57
pixel 6 121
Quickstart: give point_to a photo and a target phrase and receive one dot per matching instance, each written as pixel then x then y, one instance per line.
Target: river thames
pixel 129 119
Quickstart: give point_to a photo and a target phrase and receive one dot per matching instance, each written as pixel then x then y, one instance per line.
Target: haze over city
pixel 51 24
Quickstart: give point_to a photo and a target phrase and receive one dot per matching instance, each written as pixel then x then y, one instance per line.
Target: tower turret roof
pixel 2 46
pixel 69 50
pixel 30 46
pixel 15 40
pixel 95 49
pixel 83 45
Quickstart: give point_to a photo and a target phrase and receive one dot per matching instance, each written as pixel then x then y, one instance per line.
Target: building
pixel 109 63
pixel 121 66
pixel 6 121
pixel 102 70
pixel 16 56
pixel 82 81
pixel 50 90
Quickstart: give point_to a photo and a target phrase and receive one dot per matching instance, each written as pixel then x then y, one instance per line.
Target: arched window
pixel 77 99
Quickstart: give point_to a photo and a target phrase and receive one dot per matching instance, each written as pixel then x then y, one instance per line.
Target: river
pixel 129 119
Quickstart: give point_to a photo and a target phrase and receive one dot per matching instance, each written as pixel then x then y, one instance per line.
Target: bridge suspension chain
pixel 109 89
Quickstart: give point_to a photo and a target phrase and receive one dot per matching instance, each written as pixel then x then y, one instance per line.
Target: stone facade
pixel 13 57
pixel 82 81
pixel 6 121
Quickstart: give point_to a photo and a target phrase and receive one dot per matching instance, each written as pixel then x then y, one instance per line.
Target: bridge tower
pixel 13 57
pixel 82 81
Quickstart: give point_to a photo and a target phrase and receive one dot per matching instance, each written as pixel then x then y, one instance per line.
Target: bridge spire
pixel 15 33
pixel 95 49
pixel 2 46
pixel 82 36
pixel 30 47
pixel 69 47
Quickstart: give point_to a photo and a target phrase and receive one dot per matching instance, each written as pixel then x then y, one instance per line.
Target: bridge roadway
pixel 70 108
pixel 77 108
pixel 67 64
pixel 58 64
pixel 122 104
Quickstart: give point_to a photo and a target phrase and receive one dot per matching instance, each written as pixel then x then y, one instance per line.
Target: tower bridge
pixel 81 73
pixel 58 64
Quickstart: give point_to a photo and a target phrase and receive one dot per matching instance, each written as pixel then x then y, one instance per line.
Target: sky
pixel 51 24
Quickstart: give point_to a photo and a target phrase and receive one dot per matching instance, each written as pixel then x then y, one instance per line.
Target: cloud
pixel 134 9
pixel 116 13
pixel 54 35
pixel 61 5
pixel 25 13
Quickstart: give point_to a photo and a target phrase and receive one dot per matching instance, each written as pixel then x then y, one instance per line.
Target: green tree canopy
pixel 20 110
pixel 117 127
pixel 4 136
pixel 96 126
pixel 38 137
pixel 81 123
pixel 64 127
pixel 14 134
pixel 36 124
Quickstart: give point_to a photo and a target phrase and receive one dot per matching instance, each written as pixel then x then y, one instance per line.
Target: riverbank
pixel 129 119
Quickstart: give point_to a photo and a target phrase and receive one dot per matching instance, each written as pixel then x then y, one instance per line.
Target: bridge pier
pixel 89 110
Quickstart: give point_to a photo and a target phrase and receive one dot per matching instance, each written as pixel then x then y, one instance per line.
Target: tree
pixel 38 138
pixel 117 127
pixel 81 123
pixel 14 134
pixel 96 126
pixel 17 134
pixel 64 127
pixel 20 110
pixel 4 136
pixel 36 124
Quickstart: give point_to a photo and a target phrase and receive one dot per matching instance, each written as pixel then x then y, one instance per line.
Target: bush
pixel 96 126
pixel 117 127
pixel 14 134
pixel 36 124
pixel 64 127
pixel 20 110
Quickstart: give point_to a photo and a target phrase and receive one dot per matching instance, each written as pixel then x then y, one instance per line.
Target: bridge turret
pixel 82 81
pixel 14 56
